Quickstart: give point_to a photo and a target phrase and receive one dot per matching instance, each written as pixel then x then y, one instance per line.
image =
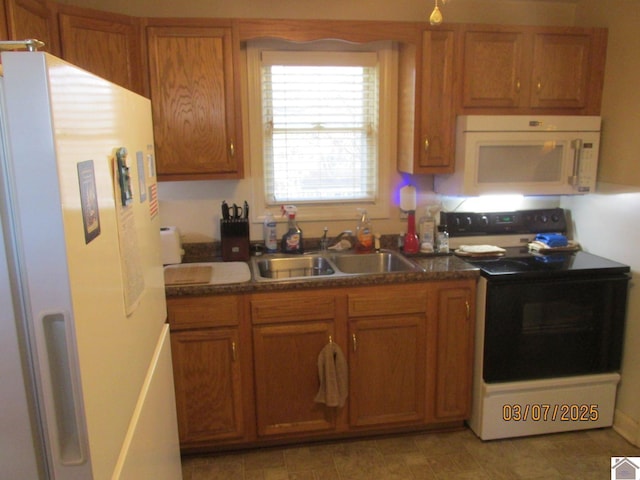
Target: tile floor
pixel 454 455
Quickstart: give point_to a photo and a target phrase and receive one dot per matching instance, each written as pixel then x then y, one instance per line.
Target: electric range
pixel 549 327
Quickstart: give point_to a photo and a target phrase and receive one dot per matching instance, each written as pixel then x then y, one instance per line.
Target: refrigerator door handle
pixel 70 440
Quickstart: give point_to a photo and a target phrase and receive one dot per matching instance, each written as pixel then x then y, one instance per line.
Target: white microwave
pixel 525 154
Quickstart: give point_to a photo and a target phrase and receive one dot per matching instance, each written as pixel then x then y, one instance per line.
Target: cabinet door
pixel 560 70
pixel 455 314
pixel 4 28
pixel 208 385
pixel 493 73
pixel 34 19
pixel 438 113
pixel 108 46
pixel 286 378
pixel 387 370
pixel 193 101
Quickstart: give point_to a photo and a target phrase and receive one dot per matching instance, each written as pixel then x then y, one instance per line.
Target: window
pixel 319 125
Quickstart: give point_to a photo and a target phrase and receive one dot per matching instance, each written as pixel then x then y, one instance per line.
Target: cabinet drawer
pixel 387 302
pixel 293 307
pixel 214 311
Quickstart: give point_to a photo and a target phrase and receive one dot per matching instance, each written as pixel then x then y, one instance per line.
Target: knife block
pixel 234 239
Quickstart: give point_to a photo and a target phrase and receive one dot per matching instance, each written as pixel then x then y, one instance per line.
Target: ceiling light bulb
pixel 436 16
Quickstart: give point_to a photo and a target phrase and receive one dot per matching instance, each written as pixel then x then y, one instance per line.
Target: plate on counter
pixel 479 251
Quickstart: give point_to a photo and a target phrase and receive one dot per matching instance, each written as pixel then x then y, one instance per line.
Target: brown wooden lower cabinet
pixel 212 370
pixel 246 365
pixel 387 370
pixel 286 377
pixel 207 382
pixel 387 351
pixel 454 313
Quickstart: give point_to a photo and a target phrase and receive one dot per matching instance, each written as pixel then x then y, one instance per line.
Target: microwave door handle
pixel 576 145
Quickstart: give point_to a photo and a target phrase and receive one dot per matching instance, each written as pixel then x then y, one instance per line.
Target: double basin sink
pixel 330 265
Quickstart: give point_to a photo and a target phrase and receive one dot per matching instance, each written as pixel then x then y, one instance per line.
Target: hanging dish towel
pixel 332 370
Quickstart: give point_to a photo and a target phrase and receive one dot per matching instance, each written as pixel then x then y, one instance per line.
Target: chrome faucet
pixel 324 241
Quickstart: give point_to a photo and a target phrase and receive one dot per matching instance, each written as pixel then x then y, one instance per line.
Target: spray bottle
pixel 292 240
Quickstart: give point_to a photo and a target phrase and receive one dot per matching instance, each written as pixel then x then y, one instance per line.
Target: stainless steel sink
pixel 285 267
pixel 279 267
pixel 379 262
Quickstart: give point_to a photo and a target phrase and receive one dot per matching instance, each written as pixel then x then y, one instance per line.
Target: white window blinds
pixel 320 126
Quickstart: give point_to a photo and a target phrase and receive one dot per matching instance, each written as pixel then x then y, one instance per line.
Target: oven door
pixel 546 328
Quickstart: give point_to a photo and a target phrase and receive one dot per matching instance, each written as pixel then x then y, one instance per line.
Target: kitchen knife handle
pixel 225 210
pixel 237 211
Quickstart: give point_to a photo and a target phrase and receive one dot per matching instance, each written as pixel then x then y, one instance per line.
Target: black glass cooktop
pixel 518 261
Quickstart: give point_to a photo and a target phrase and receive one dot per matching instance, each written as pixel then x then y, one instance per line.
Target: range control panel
pixel 462 224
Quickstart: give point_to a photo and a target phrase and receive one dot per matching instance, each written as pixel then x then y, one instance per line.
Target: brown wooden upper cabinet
pixel 532 69
pixel 105 44
pixel 27 19
pixel 427 103
pixel 196 112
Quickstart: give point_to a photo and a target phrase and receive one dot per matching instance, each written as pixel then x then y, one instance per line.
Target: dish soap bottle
pixel 364 233
pixel 292 240
pixel 269 233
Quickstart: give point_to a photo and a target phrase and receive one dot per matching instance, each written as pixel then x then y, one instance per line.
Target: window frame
pixel 387 139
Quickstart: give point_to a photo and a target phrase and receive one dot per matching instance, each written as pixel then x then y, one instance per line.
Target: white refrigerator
pixel 86 382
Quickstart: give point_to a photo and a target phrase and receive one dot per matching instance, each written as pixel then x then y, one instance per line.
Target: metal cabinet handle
pixel 539 86
pixel 232 149
pixel 354 340
pixel 234 351
pixel 426 144
pixel 517 86
pixel 466 303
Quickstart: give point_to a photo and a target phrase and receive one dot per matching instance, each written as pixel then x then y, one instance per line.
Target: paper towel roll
pixel 408 198
pixel 171 246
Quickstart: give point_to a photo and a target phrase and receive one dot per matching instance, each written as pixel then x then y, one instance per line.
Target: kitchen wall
pixel 606 223
pixel 601 220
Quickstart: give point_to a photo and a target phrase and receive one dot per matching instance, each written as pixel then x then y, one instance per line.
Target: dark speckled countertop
pixel 441 267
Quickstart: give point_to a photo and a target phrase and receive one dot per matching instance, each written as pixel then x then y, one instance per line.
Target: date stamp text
pixel 546 412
